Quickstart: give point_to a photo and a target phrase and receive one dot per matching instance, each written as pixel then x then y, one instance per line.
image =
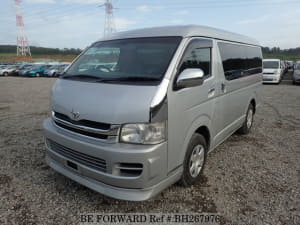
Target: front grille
pixel 267 79
pixel 104 131
pixel 84 159
pixel 87 123
pixel 94 135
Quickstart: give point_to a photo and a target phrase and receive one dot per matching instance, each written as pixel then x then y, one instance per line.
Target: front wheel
pixel 5 74
pixel 194 160
pixel 37 75
pixel 245 129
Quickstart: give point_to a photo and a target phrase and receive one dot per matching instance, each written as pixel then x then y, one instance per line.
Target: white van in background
pixel 273 71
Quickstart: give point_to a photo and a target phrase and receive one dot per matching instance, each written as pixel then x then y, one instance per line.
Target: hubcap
pixel 196 160
pixel 249 118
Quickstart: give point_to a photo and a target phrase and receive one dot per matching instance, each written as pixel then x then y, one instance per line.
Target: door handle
pixel 223 87
pixel 211 92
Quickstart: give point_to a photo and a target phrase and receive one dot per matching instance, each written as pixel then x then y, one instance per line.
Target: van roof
pixel 183 31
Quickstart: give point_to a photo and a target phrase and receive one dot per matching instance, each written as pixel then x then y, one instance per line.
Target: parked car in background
pixel 55 70
pixel 284 67
pixel 62 69
pixel 37 70
pixel 273 71
pixel 290 65
pixel 1 69
pixel 295 64
pixel 14 70
pixel 8 70
pixel 296 74
pixel 23 69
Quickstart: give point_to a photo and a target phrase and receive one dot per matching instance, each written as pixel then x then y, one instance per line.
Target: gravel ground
pixel 251 179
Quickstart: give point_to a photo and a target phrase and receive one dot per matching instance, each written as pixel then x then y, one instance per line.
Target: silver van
pixel 140 110
pixel 296 74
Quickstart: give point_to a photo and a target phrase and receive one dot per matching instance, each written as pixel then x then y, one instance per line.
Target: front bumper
pixel 271 78
pixel 153 178
pixel 296 78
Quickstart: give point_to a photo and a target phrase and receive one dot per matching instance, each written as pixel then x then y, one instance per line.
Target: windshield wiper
pixel 81 76
pixel 128 79
pixel 115 79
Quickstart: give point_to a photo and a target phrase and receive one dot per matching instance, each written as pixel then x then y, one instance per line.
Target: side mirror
pixel 189 78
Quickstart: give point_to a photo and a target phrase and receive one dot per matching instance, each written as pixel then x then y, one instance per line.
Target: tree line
pixel 41 50
pixel 292 53
pixel 275 50
pixel 286 54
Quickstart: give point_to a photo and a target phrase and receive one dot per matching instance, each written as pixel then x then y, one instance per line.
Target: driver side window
pixel 197 55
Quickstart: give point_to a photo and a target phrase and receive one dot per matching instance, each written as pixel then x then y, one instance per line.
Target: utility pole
pixel 109 24
pixel 23 48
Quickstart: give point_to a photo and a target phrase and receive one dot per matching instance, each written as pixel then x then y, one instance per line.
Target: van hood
pixel 103 102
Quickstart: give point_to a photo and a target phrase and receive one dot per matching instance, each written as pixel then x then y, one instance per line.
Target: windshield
pixel 128 58
pixel 271 64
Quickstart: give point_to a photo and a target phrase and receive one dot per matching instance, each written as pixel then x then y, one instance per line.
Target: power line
pixel 205 4
pixel 48 17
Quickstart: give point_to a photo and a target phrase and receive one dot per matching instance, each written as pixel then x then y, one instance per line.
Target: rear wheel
pixel 37 74
pixel 194 160
pixel 245 129
pixel 5 74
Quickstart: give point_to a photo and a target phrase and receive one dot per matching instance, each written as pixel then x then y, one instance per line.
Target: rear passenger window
pixel 197 55
pixel 254 60
pixel 239 60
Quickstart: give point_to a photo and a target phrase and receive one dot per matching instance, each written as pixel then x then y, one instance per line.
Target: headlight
pixel 143 133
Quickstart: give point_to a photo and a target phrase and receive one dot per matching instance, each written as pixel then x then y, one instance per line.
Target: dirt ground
pixel 253 179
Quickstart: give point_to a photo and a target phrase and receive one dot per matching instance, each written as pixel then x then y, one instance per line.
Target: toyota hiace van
pixel 140 110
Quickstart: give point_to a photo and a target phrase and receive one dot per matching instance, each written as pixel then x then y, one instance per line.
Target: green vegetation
pixel 11 57
pixel 8 53
pixel 292 54
pixel 41 51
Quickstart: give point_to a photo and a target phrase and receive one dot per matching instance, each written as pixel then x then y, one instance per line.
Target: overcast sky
pixel 77 23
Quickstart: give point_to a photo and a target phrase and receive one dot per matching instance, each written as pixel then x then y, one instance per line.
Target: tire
pixel 5 74
pixel 37 74
pixel 195 156
pixel 247 125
